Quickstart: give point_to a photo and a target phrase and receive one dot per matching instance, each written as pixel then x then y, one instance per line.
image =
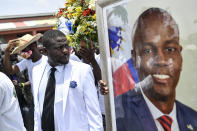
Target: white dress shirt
pixel 156 113
pixel 10 114
pixel 59 77
pixel 78 110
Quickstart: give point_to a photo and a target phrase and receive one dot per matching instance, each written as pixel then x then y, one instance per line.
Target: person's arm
pixel 88 57
pixel 91 101
pixel 25 84
pixel 7 63
pixel 96 69
pixel 27 92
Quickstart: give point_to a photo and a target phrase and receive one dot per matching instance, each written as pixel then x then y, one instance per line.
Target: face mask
pixel 26 54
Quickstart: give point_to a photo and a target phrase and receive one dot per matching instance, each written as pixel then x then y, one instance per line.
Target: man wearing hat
pixel 25 46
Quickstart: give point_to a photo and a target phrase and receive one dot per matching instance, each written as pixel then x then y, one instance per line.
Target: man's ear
pixel 45 51
pixel 181 48
pixel 133 56
pixel 33 46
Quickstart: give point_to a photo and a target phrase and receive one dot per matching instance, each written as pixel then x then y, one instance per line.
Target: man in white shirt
pixel 65 95
pixel 10 114
pixel 25 46
pixel 157 57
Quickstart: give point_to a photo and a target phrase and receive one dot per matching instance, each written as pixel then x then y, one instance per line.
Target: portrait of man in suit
pixel 156 54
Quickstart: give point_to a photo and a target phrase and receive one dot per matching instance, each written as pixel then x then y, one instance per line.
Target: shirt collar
pixel 156 113
pixel 59 68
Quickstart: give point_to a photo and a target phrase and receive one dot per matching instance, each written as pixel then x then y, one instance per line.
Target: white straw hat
pixel 24 41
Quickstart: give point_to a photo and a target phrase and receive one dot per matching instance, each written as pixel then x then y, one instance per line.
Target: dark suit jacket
pixel 134 115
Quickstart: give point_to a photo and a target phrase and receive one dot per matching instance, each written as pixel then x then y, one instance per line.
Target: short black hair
pixel 159 13
pixel 50 36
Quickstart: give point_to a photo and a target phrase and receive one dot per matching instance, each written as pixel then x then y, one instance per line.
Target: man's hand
pixel 87 54
pixel 15 82
pixel 11 45
pixel 104 89
pixel 7 62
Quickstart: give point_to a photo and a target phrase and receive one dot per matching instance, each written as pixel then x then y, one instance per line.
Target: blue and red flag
pixel 124 78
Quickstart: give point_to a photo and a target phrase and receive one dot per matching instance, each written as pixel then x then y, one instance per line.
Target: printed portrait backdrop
pixel 183 13
pixel 164 62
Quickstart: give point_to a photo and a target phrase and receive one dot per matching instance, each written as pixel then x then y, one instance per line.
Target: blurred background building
pixel 21 17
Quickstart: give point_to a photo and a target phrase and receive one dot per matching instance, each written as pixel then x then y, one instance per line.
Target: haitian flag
pixel 124 78
pixel 119 31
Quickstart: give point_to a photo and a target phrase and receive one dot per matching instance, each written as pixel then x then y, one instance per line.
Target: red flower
pixel 93 12
pixel 87 12
pixel 62 9
pixel 59 14
pixel 84 13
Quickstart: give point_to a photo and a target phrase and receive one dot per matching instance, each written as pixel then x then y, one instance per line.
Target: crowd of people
pixel 48 98
pixel 60 90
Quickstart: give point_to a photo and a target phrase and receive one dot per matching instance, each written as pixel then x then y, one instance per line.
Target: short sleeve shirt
pixel 28 64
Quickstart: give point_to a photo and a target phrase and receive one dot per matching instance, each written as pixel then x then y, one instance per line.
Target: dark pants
pixel 27 110
pixel 28 117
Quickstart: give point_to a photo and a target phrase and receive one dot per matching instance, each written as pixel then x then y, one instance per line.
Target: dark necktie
pixel 48 106
pixel 166 122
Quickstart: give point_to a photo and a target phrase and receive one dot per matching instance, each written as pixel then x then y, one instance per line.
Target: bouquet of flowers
pixel 78 22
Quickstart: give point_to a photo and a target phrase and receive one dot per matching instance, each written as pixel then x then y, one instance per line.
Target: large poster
pixel 183 13
pixel 148 51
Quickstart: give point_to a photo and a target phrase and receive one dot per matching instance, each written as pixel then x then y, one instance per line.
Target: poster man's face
pixel 158 54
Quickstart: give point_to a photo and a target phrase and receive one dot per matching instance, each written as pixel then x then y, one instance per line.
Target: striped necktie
pixel 166 122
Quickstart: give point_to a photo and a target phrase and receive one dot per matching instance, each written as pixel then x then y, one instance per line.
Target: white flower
pixel 93 23
pixel 71 8
pixel 73 21
pixel 92 4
